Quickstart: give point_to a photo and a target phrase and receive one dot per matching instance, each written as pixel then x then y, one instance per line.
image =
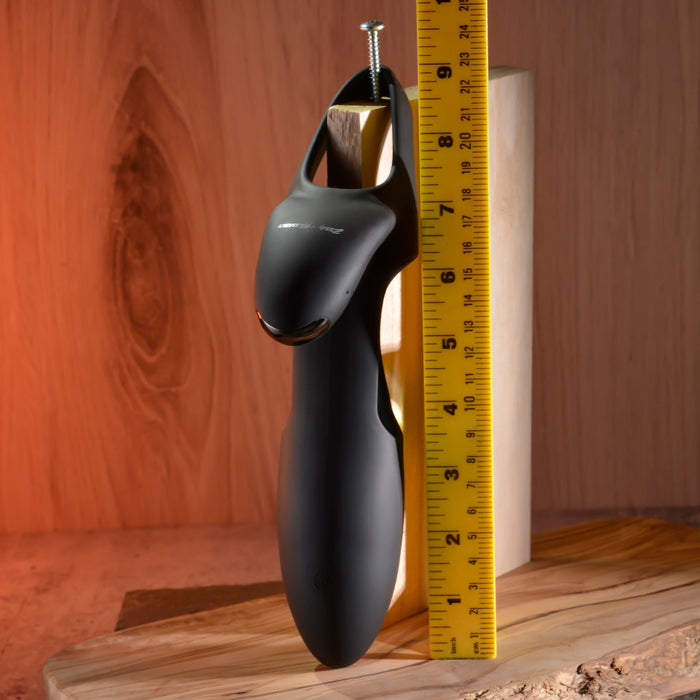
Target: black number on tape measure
pixel 464 58
pixel 466 193
pixel 444 208
pixel 450 408
pixel 449 343
pixel 452 601
pixel 448 277
pixel 451 474
pixel 452 539
pixel 439 2
pixel 445 141
pixel 444 72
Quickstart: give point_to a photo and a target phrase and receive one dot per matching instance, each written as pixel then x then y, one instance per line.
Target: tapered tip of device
pixel 336 647
pixel 339 660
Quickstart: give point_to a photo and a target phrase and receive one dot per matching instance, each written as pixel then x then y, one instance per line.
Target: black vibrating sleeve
pixel 326 258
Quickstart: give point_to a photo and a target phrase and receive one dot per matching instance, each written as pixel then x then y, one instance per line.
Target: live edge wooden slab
pixel 606 609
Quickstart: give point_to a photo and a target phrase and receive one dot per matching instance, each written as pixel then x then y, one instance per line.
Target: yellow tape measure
pixel 454 204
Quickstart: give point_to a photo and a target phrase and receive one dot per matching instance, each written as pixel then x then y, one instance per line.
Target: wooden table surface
pixel 605 609
pixel 61 588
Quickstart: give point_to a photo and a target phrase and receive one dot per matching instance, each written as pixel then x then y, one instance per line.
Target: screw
pixel 373 27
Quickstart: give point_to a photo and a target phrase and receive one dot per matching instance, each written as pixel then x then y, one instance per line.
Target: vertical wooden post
pixel 511 182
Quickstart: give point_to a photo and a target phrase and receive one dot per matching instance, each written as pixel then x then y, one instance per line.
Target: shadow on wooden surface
pixel 143 606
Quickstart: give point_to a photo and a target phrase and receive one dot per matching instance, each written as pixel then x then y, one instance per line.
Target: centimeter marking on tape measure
pixel 454 204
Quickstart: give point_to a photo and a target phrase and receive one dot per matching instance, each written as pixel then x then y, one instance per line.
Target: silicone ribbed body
pixel 326 259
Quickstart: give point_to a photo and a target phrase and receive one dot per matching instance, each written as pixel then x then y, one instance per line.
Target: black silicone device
pixel 326 258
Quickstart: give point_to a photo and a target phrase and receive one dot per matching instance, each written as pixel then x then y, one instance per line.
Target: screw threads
pixel 372 28
pixel 374 64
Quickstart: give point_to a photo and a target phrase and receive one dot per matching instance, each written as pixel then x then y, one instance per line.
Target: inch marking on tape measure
pixel 454 204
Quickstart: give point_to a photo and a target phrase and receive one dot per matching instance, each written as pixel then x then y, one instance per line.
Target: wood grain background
pixel 616 369
pixel 142 147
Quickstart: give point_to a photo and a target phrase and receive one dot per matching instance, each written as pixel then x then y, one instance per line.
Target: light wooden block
pixel 511 182
pixel 359 154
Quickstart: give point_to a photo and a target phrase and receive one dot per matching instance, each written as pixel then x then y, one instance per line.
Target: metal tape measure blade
pixel 453 146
